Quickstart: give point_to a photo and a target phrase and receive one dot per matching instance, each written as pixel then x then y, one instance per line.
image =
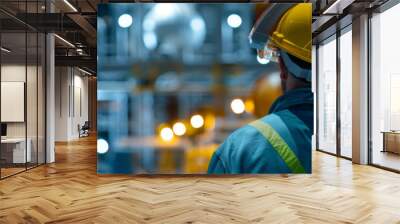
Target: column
pixel 360 90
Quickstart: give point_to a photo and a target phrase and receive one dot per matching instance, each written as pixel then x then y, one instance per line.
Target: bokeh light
pixel 249 106
pixel 197 121
pixel 150 40
pixel 209 121
pixel 166 134
pixel 179 128
pixel 237 106
pixel 102 146
pixel 234 20
pixel 125 20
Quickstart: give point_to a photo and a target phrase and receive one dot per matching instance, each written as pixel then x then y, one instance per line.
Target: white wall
pixel 71 94
pixel 12 73
pixel 61 103
pixel 80 104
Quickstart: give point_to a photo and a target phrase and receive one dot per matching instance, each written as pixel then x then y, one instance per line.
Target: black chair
pixel 84 130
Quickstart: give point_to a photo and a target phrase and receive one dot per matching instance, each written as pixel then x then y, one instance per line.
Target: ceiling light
pixel 234 20
pixel 64 40
pixel 84 71
pixel 125 20
pixel 70 5
pixel 337 7
pixel 5 50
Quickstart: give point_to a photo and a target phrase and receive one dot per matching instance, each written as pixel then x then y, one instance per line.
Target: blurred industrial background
pixel 50 45
pixel 173 81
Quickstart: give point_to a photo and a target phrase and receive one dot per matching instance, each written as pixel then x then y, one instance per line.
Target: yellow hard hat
pixel 293 32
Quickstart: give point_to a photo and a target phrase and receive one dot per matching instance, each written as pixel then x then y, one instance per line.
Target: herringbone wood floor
pixel 70 191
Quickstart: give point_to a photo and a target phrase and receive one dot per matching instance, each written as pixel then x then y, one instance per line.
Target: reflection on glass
pixel 346 94
pixel 385 89
pixel 15 149
pixel 327 96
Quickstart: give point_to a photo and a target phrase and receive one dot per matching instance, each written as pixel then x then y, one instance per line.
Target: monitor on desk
pixel 3 130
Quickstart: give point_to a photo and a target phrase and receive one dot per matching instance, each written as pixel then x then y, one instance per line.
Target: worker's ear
pixel 284 73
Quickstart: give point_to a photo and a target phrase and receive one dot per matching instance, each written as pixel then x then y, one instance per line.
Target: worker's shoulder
pixel 243 132
pixel 245 142
pixel 285 117
pixel 248 132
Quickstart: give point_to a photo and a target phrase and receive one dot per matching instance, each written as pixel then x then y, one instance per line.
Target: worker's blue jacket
pixel 277 143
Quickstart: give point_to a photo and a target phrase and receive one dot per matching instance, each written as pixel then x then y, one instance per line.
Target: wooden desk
pixel 391 141
pixel 13 150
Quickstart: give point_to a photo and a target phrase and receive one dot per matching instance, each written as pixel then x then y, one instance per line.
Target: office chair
pixel 84 130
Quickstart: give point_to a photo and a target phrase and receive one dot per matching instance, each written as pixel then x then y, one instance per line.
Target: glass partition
pixel 14 153
pixel 22 91
pixel 327 95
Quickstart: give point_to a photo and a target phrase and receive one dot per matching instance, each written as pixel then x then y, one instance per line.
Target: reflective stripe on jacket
pixel 277 143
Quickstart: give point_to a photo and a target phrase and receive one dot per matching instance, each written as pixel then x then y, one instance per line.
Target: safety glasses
pixel 269 52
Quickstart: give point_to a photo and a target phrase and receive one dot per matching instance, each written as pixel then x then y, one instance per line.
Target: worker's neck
pixel 292 83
